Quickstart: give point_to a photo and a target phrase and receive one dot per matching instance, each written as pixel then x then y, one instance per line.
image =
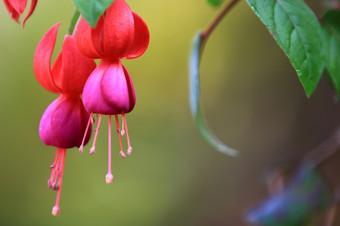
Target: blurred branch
pixel 330 215
pixel 325 150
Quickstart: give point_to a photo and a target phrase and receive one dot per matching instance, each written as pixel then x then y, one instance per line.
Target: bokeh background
pixel 251 96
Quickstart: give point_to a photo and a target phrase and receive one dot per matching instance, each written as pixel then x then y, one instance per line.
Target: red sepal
pixel 31 10
pixel 18 5
pixel 141 38
pixel 118 30
pixel 75 67
pixel 88 39
pixel 42 60
pixel 12 12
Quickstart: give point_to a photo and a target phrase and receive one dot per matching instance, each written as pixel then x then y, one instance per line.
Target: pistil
pixel 109 176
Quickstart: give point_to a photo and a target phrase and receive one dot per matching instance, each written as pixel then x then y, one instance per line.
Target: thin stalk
pixel 73 22
pixel 211 27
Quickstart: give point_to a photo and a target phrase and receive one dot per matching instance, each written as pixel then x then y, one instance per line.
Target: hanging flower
pixel 64 121
pixel 119 34
pixel 17 8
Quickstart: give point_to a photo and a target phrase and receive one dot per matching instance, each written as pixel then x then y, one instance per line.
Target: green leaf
pixel 194 98
pixel 331 32
pixel 298 32
pixel 215 2
pixel 92 9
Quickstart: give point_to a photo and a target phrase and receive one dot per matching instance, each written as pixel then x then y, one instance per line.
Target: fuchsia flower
pixel 119 34
pixel 17 8
pixel 64 121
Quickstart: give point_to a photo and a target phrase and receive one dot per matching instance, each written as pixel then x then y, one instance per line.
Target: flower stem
pixel 73 21
pixel 211 27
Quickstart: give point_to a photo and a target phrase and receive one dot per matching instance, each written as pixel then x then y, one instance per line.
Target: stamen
pixel 51 183
pixel 81 148
pixel 122 154
pixel 55 160
pixel 122 131
pixel 92 119
pixel 58 178
pixel 109 176
pixel 92 150
pixel 129 151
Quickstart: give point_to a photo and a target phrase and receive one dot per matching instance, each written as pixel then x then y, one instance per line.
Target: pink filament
pixel 56 178
pixel 109 176
pixel 122 130
pixel 92 150
pixel 127 136
pixel 122 154
pixel 55 160
pixel 81 148
pixel 52 182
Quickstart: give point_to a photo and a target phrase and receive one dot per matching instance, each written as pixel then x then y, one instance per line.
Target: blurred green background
pixel 251 96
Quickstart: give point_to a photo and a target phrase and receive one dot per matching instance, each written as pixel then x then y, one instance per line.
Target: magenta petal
pixel 117 88
pixel 93 99
pixel 63 123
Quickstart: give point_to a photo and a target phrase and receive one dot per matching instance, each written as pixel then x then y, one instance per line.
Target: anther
pixel 81 149
pixel 49 183
pixel 92 150
pixel 55 210
pixel 54 186
pixel 122 154
pixel 109 178
pixel 129 151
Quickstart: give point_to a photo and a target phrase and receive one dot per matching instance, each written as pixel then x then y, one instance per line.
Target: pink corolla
pixel 65 119
pixel 119 34
pixel 17 8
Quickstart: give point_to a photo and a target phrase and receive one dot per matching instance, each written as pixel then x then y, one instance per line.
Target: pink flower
pixel 17 8
pixel 119 34
pixel 64 121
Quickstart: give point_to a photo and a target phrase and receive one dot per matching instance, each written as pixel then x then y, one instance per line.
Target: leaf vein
pixel 299 35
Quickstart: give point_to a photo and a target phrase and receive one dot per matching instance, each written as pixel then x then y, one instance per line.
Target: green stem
pixel 73 21
pixel 211 27
pixel 194 83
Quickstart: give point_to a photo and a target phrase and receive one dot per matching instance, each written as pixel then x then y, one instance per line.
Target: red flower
pixel 64 121
pixel 119 34
pixel 17 7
